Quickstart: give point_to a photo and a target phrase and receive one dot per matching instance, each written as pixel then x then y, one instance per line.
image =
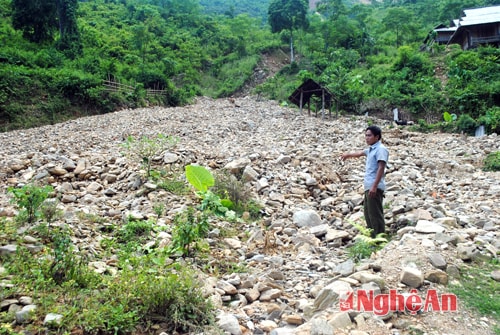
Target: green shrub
pixel 134 230
pixel 66 266
pixel 235 195
pixel 491 120
pixel 188 229
pixel 29 198
pixel 492 162
pixel 147 148
pixel 364 245
pixel 466 124
pixel 175 297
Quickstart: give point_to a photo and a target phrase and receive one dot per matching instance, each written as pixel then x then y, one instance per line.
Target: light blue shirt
pixel 375 153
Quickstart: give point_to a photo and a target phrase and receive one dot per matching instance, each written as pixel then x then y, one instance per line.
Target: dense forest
pixel 63 59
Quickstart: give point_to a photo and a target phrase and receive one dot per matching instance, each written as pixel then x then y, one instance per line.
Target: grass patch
pixel 145 292
pixel 478 290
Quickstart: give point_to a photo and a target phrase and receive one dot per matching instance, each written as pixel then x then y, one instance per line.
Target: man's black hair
pixel 376 131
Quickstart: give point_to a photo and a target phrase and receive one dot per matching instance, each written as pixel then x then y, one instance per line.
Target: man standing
pixel 377 157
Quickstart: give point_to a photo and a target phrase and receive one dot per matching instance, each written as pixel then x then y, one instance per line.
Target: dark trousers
pixel 374 212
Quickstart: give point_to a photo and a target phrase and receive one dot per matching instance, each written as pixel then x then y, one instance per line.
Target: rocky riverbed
pixel 441 209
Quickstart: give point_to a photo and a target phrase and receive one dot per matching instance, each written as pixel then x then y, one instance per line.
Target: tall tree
pixel 39 19
pixel 332 8
pixel 400 21
pixel 69 35
pixel 288 15
pixel 35 18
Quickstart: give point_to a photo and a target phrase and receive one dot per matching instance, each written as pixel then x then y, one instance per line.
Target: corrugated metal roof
pixel 480 16
pixel 446 29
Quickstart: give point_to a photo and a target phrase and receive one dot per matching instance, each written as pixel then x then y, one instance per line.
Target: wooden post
pixel 301 97
pixel 323 103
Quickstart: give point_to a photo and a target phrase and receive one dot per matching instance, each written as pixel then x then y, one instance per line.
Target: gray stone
pixel 236 166
pixel 229 323
pixel 319 230
pixel 227 287
pixel 269 295
pixel 306 218
pixel 8 249
pixel 340 320
pixel 367 276
pixel 329 295
pixel 447 222
pixel 4 304
pixel 346 268
pixel 170 158
pixel 261 184
pixel 249 174
pixel 428 227
pixel 284 159
pixel 53 319
pixel 453 271
pixel 495 275
pixel 438 261
pixel 333 234
pixel 321 327
pixel 371 287
pixel 412 277
pixel 466 252
pixel 25 314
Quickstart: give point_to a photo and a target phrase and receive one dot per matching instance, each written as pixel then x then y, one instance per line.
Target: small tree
pixel 288 15
pixel 147 148
pixel 29 198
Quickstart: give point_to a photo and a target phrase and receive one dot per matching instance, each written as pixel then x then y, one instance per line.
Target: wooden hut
pixel 309 90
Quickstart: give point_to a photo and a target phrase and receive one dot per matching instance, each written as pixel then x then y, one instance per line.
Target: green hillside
pixel 253 8
pixel 94 57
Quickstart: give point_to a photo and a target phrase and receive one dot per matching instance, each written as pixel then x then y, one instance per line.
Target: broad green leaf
pixel 199 177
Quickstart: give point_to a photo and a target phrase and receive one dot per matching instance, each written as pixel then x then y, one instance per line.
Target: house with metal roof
pixel 477 26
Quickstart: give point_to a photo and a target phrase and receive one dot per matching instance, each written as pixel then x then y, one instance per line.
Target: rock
pixel 4 304
pixel 333 234
pixel 346 268
pixel 249 174
pixel 366 277
pixel 329 295
pixel 437 276
pixel 306 218
pixel 293 319
pixel 226 287
pixel 229 323
pixel 466 252
pixel 25 314
pixel 340 321
pixel 53 320
pixel 170 158
pixel 8 249
pixel 412 277
pixel 428 227
pixel 438 261
pixel 236 166
pixel 269 295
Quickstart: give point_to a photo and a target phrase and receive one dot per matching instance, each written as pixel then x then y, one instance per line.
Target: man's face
pixel 370 138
